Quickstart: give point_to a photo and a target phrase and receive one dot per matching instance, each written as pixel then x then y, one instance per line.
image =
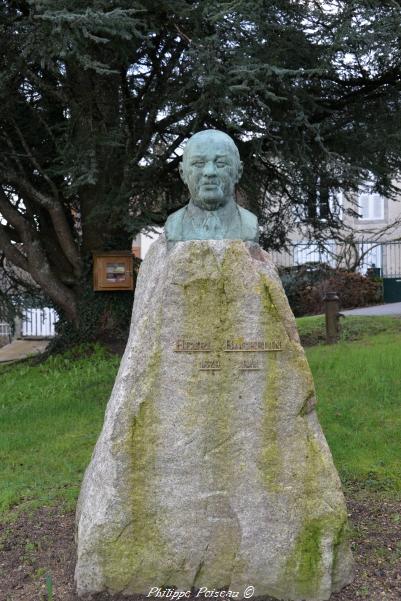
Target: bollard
pixel 332 311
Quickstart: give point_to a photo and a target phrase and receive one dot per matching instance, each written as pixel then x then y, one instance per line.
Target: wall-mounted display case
pixel 113 270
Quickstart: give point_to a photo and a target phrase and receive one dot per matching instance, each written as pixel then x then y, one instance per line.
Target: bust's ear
pixel 240 170
pixel 181 170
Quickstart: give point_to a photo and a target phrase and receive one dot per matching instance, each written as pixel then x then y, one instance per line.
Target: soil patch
pixel 42 543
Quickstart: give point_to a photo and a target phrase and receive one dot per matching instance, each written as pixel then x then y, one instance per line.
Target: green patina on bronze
pixel 211 168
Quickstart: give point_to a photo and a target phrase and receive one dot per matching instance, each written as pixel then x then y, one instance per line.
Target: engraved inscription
pixel 183 345
pixel 213 365
pixel 236 345
pixel 250 365
pixel 233 346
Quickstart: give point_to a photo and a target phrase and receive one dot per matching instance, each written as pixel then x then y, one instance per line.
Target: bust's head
pixel 211 168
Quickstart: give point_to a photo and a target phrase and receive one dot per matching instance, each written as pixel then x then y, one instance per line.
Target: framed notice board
pixel 113 270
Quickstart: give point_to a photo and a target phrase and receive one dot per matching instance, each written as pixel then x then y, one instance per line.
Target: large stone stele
pixel 211 469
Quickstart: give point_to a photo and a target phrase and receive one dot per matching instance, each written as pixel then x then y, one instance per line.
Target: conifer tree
pixel 97 97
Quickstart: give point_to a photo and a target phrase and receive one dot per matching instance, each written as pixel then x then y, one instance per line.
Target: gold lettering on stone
pixel 183 345
pixel 213 365
pixel 249 365
pixel 252 346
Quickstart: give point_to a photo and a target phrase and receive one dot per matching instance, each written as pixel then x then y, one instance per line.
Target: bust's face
pixel 210 170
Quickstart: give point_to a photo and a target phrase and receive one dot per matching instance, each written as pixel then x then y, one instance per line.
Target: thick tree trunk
pixel 95 112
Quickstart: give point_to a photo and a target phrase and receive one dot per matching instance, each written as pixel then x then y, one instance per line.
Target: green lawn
pixel 51 414
pixel 353 327
pixel 358 385
pixel 50 417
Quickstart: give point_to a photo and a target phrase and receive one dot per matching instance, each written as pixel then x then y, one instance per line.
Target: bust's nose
pixel 209 169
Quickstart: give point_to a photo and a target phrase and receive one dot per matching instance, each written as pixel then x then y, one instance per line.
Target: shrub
pixel 306 286
pixel 354 289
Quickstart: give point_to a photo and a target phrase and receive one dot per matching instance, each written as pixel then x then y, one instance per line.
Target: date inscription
pixel 210 365
pixel 250 365
pixel 236 345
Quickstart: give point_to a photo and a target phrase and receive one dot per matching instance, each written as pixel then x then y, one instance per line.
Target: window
pixel 323 204
pixel 311 252
pixel 371 206
pixel 371 254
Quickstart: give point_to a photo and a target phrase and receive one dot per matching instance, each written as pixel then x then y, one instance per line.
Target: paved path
pixel 21 349
pixel 389 309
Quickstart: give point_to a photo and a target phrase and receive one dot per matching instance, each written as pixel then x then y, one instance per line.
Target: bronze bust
pixel 211 167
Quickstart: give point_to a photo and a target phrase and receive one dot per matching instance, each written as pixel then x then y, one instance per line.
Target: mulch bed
pixel 43 543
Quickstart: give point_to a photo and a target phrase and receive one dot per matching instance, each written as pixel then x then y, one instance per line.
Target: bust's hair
pixel 207 132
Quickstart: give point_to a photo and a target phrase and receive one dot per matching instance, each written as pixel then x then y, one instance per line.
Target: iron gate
pixel 39 323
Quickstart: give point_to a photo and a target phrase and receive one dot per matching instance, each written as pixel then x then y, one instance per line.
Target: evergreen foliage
pixel 97 97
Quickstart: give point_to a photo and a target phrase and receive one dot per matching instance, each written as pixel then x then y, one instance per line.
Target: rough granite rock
pixel 212 469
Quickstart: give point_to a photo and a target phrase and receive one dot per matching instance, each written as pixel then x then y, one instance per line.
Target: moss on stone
pixel 313 467
pixel 340 550
pixel 271 455
pixel 305 566
pixel 270 462
pixel 210 314
pixel 270 317
pixel 266 296
pixel 307 399
pixel 140 544
pixel 210 304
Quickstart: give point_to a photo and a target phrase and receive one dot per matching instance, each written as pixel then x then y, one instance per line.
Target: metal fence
pixel 39 323
pixel 391 260
pixel 361 255
pixel 5 333
pixel 5 329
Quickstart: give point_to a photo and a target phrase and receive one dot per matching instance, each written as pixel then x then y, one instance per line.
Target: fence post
pixel 332 311
pixel 17 328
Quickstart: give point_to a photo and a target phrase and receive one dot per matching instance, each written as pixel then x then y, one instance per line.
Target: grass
pixel 358 385
pixel 51 414
pixel 50 417
pixel 353 327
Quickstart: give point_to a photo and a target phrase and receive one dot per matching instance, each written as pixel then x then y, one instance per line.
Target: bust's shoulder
pixel 249 224
pixel 247 215
pixel 173 225
pixel 177 215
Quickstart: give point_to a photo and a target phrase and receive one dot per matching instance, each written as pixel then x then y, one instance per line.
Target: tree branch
pixel 34 261
pixel 11 251
pixel 57 214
